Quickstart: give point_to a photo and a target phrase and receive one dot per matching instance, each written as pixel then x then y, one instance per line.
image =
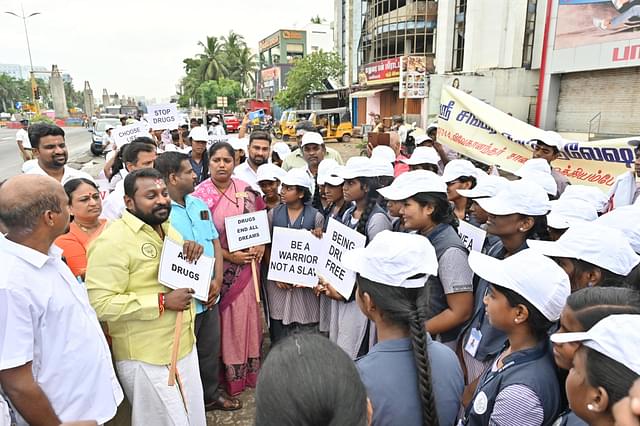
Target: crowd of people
pixel 539 326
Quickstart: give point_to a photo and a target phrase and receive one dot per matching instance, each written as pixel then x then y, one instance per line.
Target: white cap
pixel 311 137
pixel 566 213
pixel 624 219
pixel 550 138
pixel 215 119
pixel 615 337
pixel 458 168
pixel 533 276
pixel 297 177
pixel 269 172
pixel 432 126
pixel 539 171
pixel 282 149
pixel 393 258
pixel 383 152
pixel 109 127
pixel 420 139
pixel 334 178
pixel 411 183
pixel 520 196
pixel 382 167
pixel 599 245
pixel 357 167
pixel 325 168
pixel 199 134
pixel 239 143
pixel 423 155
pixel 487 186
pixel 591 194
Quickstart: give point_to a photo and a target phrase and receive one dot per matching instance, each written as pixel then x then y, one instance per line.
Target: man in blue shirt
pixel 191 217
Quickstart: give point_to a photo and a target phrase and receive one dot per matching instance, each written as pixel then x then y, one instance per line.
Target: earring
pixel 516 321
pixel 521 230
pixel 591 407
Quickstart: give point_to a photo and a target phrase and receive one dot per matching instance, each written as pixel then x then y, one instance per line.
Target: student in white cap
pixel 565 213
pixel 424 158
pixel 584 309
pixel 515 213
pixel 525 298
pixel 538 170
pixel 547 147
pixel 625 219
pixel 459 174
pixel 411 379
pixel 293 308
pixel 279 152
pixel 199 157
pixel 269 177
pixel 604 367
pixel 325 168
pixel 240 147
pixel 591 254
pixel 591 194
pixel 427 211
pixel 334 196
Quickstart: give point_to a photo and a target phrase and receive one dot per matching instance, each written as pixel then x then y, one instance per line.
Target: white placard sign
pixel 247 230
pixel 214 139
pixel 472 237
pixel 125 134
pixel 338 240
pixel 164 116
pixel 294 256
pixel 175 272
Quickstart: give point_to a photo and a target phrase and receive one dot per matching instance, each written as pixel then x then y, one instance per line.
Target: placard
pixel 125 134
pixel 214 139
pixel 175 272
pixel 336 241
pixel 294 257
pixel 472 237
pixel 247 230
pixel 163 116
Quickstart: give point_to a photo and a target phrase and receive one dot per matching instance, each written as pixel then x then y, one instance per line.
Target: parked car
pixel 98 133
pixel 232 122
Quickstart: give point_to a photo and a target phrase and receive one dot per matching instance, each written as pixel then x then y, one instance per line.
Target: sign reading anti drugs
pixel 294 257
pixel 336 241
pixel 163 116
pixel 472 237
pixel 247 230
pixel 175 272
pixel 125 134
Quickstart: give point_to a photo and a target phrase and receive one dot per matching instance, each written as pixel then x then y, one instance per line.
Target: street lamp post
pixel 26 33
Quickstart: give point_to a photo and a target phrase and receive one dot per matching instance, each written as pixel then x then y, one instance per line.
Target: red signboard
pixel 385 71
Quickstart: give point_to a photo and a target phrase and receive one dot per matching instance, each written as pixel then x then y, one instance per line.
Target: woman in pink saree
pixel 240 322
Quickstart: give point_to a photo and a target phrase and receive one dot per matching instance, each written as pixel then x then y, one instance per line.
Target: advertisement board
pixel 413 77
pixel 380 72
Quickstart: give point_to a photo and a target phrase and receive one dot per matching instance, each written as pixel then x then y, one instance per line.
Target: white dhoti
pixel 153 402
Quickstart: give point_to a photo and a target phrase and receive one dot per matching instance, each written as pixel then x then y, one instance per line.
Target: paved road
pixel 77 138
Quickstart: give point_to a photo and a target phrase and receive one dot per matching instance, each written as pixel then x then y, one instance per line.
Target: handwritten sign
pixel 472 237
pixel 294 257
pixel 175 272
pixel 164 116
pixel 337 240
pixel 125 134
pixel 247 230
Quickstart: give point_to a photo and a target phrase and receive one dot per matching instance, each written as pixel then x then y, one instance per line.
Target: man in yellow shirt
pixel 123 287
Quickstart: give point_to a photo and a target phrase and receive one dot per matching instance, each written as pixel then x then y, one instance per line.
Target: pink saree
pixel 240 322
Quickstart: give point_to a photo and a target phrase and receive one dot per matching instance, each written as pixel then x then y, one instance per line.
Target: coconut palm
pixel 246 69
pixel 212 61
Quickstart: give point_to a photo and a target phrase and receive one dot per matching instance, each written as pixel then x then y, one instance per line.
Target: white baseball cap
pixel 519 196
pixel 357 167
pixel 431 126
pixel 325 168
pixel 487 186
pixel 411 183
pixel 591 194
pixel 566 213
pixel 615 337
pixel 423 155
pixel 394 258
pixel 420 139
pixel 458 168
pixel 383 152
pixel 539 171
pixel 199 134
pixel 550 138
pixel 382 167
pixel 599 245
pixel 297 177
pixel 311 137
pixel 533 276
pixel 624 219
pixel 282 149
pixel 238 143
pixel 334 178
pixel 215 119
pixel 270 172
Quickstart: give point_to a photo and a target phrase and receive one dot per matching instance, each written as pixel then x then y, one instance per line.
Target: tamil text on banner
pixel 481 132
pixel 294 256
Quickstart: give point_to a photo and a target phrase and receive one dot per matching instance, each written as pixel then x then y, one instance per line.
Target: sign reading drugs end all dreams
pixel 163 116
pixel 247 230
pixel 294 257
pixel 175 272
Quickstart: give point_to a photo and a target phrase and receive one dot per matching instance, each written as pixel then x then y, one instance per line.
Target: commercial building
pixel 276 55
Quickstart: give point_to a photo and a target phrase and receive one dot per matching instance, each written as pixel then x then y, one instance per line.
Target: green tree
pixel 208 92
pixel 247 69
pixel 212 61
pixel 308 75
pixel 233 44
pixel 74 98
pixel 317 20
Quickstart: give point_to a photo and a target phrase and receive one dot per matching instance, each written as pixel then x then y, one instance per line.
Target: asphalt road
pixel 78 140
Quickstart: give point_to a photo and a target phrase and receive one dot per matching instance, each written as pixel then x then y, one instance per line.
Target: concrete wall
pixel 319 37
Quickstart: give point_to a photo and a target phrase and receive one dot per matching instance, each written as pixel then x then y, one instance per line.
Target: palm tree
pixel 246 69
pixel 233 45
pixel 212 65
pixel 316 20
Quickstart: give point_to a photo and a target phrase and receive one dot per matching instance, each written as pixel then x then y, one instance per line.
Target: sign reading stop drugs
pixel 125 134
pixel 247 230
pixel 336 241
pixel 294 257
pixel 175 272
pixel 472 237
pixel 163 116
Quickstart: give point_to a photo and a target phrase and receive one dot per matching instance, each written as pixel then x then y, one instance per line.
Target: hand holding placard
pixel 177 272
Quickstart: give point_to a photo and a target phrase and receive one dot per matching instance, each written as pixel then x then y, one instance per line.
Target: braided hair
pixel 404 306
pixel 371 197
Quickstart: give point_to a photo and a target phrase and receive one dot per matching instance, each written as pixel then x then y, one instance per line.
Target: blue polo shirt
pixel 194 223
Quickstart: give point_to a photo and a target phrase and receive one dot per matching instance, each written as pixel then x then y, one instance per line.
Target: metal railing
pixel 598 117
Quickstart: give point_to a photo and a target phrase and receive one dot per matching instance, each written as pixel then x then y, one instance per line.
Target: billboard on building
pixel 380 72
pixel 596 34
pixel 413 77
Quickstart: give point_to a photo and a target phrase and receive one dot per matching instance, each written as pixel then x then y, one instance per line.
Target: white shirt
pixel 216 130
pixel 47 319
pixel 23 136
pixel 246 173
pixel 113 206
pixel 69 173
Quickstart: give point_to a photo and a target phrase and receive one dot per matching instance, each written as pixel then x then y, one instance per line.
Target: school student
pixel 459 174
pixel 411 379
pixel 584 309
pixel 604 367
pixel 294 308
pixel 427 211
pixel 332 183
pixel 525 298
pixel 538 170
pixel 423 158
pixel 319 196
pixel 268 178
pixel 565 213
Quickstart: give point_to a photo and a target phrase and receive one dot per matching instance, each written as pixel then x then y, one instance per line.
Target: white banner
pixel 125 134
pixel 472 237
pixel 175 272
pixel 247 230
pixel 164 116
pixel 294 257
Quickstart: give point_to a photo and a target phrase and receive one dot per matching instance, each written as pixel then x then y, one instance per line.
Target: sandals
pixel 223 403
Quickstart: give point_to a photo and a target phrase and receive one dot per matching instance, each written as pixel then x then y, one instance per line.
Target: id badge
pixel 474 341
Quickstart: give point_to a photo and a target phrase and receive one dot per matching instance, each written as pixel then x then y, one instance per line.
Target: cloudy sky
pixel 136 47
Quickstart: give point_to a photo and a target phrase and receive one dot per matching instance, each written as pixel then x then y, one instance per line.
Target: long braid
pixel 421 354
pixel 372 199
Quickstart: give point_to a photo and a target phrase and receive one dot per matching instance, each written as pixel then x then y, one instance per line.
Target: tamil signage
pixel 413 77
pixel 380 72
pixel 269 42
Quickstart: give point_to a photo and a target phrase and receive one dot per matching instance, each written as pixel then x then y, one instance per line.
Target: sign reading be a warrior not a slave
pixel 294 257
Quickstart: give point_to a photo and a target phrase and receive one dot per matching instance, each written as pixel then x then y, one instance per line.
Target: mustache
pixel 161 207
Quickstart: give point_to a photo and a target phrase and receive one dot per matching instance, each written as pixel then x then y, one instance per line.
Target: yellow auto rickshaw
pixel 288 125
pixel 333 123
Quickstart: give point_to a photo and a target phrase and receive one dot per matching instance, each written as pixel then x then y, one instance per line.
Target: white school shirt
pixel 23 136
pixel 69 173
pixel 245 173
pixel 47 319
pixel 113 206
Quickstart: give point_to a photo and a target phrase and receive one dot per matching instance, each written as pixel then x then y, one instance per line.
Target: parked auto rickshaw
pixel 288 127
pixel 333 123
